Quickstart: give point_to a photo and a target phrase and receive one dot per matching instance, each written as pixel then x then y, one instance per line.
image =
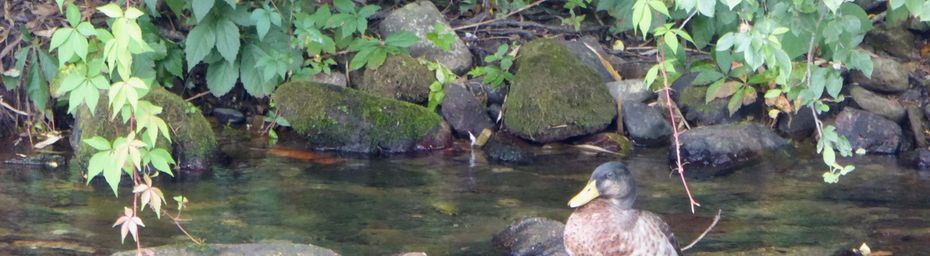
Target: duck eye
pixel 610 175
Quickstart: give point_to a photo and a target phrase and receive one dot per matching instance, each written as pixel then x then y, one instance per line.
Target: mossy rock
pixel 344 119
pixel 697 111
pixel 400 77
pixel 554 96
pixel 192 136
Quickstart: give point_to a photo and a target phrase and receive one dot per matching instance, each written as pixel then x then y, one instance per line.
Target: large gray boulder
pixel 646 124
pixel 419 18
pixel 868 131
pixel 554 97
pixel 718 148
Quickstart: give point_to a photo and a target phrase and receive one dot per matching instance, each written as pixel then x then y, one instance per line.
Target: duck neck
pixel 624 203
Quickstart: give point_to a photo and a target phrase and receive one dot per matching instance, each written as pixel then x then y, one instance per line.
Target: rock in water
pixel 554 97
pixel 419 18
pixel 463 111
pixel 646 125
pixel 868 131
pixel 400 77
pixel 872 102
pixel 725 147
pixel 504 147
pixel 532 237
pixel 193 136
pixel 344 119
pixel 888 76
pixel 228 116
pixel 798 125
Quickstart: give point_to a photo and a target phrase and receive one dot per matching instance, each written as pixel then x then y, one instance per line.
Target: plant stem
pixel 504 17
pixel 660 58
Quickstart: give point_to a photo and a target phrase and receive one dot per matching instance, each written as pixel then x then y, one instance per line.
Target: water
pixel 439 204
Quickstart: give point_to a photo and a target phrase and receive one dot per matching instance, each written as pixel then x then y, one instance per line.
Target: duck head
pixel 611 181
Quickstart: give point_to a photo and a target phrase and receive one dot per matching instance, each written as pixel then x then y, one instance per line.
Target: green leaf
pixel 37 87
pixel 251 77
pixel 227 39
pixel 199 43
pixel 731 3
pixel 376 58
pixel 707 7
pixel 262 22
pixel 860 60
pixel 725 42
pixel 368 10
pixel 86 29
pixel 829 156
pixel 672 42
pixel 736 100
pixel 651 75
pixel 344 6
pixel 222 76
pixel 111 10
pixel 96 164
pixel 161 159
pixel 659 6
pixel 73 15
pixel 98 143
pixel 402 39
pixel 711 93
pixel 201 8
pixel 772 93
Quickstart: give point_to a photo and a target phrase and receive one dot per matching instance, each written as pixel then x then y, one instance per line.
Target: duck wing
pixel 660 236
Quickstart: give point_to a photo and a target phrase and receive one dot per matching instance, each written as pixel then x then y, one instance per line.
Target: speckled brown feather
pixel 599 228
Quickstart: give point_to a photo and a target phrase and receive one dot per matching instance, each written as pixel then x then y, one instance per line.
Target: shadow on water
pixel 448 204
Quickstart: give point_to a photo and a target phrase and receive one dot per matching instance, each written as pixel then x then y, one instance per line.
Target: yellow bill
pixel 588 193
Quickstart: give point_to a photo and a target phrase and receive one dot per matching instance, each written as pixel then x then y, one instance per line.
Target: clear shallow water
pixel 379 206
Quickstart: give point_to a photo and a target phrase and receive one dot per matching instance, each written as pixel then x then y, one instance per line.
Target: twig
pixel 11 108
pixel 807 74
pixel 501 18
pixel 197 96
pixel 698 239
pixel 671 116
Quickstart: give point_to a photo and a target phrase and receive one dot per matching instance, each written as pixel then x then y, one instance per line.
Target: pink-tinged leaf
pixel 140 188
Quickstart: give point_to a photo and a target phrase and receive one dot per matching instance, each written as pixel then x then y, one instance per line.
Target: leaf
pixel 711 93
pixel 377 57
pixel 98 143
pixel 659 6
pixel 111 10
pixel 222 76
pixel 402 39
pixel 262 22
pixel 772 93
pixel 833 4
pixel 725 42
pixel 73 15
pixel 672 42
pixel 344 6
pixel 199 43
pixel 731 3
pixel 707 7
pixel 201 8
pixel 360 58
pixel 227 39
pixel 736 101
pixel 37 87
pixel 129 223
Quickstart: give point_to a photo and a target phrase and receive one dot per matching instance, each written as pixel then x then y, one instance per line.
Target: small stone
pixel 872 102
pixel 228 116
pixel 463 111
pixel 646 124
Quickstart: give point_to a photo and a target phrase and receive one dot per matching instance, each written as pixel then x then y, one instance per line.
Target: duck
pixel 604 221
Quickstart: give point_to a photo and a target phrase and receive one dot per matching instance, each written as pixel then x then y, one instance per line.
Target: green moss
pixel 400 77
pixel 192 134
pixel 334 117
pixel 554 93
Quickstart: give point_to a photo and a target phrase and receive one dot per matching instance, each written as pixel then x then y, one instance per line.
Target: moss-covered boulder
pixel 554 96
pixel 400 77
pixel 192 136
pixel 344 119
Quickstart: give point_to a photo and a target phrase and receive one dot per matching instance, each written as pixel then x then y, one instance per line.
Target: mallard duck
pixel 605 222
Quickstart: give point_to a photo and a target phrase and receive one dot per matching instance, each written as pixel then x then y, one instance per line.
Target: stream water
pixel 451 204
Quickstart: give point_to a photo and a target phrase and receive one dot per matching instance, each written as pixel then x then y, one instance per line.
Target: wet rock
pixel 463 111
pixel 238 249
pixel 877 104
pixel 228 116
pixel 554 97
pixel 400 77
pixel 494 111
pixel 55 247
pixel 344 119
pixel 589 58
pixel 918 125
pixel 504 147
pixel 419 18
pixel 798 125
pixel 630 90
pixel 193 136
pixel 610 141
pixel 333 78
pixel 697 111
pixel 919 159
pixel 38 159
pixel 871 132
pixel 719 148
pixel 888 76
pixel 896 41
pixel 646 124
pixel 497 95
pixel 532 236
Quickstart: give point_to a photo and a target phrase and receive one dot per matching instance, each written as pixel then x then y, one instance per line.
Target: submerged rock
pixel 344 119
pixel 868 131
pixel 419 18
pixel 725 147
pixel 919 159
pixel 646 124
pixel 464 112
pixel 610 141
pixel 192 137
pixel 504 147
pixel 877 104
pixel 531 237
pixel 237 250
pixel 554 97
pixel 400 77
pixel 888 76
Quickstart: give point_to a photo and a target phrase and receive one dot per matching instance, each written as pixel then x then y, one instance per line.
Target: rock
pixel 610 141
pixel 419 18
pixel 869 131
pixel 919 159
pixel 503 147
pixel 494 111
pixel 914 24
pixel 400 77
pixel 713 150
pixel 228 116
pixel 587 57
pixel 554 97
pixel 497 95
pixel 532 236
pixel 897 41
pixel 888 76
pixel 463 111
pixel 344 119
pixel 798 125
pixel 237 250
pixel 877 104
pixel 333 78
pixel 646 124
pixel 193 136
pixel 918 125
pixel 630 90
pixel 698 112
